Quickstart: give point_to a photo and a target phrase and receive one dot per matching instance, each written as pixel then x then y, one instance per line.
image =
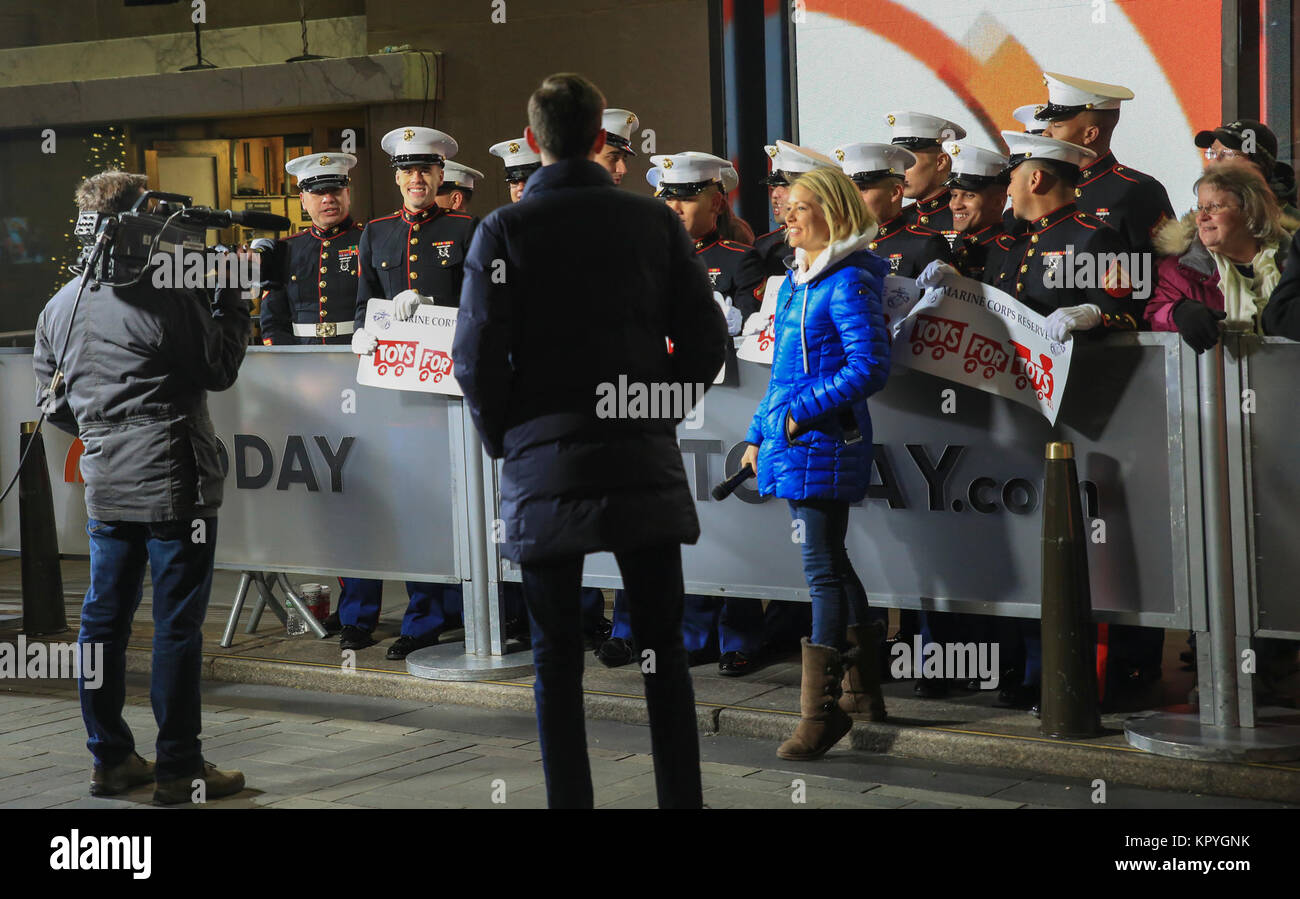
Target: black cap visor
pixel 323 184
pixel 520 172
pixel 413 159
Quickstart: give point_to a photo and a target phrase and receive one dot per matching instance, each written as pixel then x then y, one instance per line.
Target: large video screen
pixel 974 61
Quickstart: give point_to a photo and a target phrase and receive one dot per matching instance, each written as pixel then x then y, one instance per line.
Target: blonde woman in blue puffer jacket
pixel 810 440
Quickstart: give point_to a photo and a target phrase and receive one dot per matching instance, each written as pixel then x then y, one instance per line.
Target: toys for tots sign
pixel 410 355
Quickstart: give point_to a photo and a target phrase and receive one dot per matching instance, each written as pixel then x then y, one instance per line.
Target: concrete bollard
pixel 1069 702
pixel 43 610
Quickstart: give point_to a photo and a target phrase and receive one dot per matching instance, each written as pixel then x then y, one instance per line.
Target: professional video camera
pixel 134 237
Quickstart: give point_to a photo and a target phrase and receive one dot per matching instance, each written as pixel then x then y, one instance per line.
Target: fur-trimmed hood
pixel 1179 238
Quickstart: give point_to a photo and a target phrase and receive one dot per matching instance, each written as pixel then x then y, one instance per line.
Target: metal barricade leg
pixel 228 636
pixel 1215 734
pixel 265 600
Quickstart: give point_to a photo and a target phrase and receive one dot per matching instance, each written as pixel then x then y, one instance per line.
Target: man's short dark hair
pixel 565 115
pixel 1061 171
pixel 110 192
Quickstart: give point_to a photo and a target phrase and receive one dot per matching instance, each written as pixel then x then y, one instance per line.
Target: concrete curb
pixel 1119 764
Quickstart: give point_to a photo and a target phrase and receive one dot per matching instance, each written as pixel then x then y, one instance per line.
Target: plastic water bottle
pixel 293 622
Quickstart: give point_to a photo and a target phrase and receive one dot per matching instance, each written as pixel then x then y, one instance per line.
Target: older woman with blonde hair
pixel 810 440
pixel 1221 261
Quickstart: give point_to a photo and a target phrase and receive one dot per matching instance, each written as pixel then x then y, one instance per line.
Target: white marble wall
pixel 156 54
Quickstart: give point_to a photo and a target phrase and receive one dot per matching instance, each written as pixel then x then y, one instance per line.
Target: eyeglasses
pixel 1213 208
pixel 1213 155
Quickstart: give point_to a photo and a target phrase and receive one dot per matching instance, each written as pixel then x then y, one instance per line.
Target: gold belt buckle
pixel 327 329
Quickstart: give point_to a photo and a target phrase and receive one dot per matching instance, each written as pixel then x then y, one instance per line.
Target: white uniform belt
pixel 324 329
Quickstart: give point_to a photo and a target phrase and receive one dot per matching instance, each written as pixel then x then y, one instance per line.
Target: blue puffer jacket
pixel 832 352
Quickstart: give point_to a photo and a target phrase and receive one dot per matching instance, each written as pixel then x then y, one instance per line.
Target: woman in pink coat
pixel 1221 261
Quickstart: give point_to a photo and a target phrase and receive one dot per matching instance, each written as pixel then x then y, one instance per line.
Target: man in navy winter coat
pixel 559 346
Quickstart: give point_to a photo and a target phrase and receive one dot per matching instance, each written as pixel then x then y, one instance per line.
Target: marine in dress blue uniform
pixel 311 292
pixel 420 248
pixel 788 162
pixel 923 134
pixel 520 162
pixel 878 172
pixel 978 193
pixel 1086 113
pixel 1057 229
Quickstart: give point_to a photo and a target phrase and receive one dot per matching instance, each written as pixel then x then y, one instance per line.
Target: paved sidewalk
pixel 964 730
pixel 350 752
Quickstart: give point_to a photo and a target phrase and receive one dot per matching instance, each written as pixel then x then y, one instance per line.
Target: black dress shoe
pixel 932 689
pixel 353 637
pixel 404 645
pixel 735 664
pixel 615 652
pixel 1019 696
pixel 332 624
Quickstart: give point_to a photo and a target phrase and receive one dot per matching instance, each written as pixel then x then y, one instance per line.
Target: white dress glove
pixel 934 273
pixel 363 342
pixel 756 323
pixel 1072 318
pixel 405 304
pixel 729 312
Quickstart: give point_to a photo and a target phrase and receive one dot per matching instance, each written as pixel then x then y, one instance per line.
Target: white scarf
pixel 1244 298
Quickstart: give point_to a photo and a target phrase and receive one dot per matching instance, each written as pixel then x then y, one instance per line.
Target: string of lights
pixel 105 149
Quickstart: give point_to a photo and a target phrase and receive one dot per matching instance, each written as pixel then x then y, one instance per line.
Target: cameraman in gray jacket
pixel 138 365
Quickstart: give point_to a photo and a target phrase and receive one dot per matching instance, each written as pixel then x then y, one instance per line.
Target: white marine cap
pixel 1025 116
pixel 686 174
pixel 774 175
pixel 866 162
pixel 318 172
pixel 515 153
pixel 796 159
pixel 453 173
pixel 1035 146
pixel 974 167
pixel 619 125
pixel 417 145
pixel 919 130
pixel 730 178
pixel 1067 96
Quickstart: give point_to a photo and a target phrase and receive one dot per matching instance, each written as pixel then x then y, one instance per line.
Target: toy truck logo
pixel 1028 372
pixel 434 364
pixel 398 355
pixel 939 335
pixel 986 352
pixel 767 336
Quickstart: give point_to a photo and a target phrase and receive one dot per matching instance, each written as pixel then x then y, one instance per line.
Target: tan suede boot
pixel 822 722
pixel 861 688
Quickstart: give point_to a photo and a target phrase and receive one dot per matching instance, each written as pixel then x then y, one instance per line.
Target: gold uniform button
pixel 414 257
pixel 1023 269
pixel 1085 173
pixel 444 262
pixel 327 243
pixel 323 270
pixel 293 277
pixel 413 275
pixel 383 264
pixel 1030 253
pixel 1034 239
pixel 1077 192
pixel 925 220
pixel 1043 221
pixel 322 284
pixel 1019 286
pixel 414 241
pixel 415 227
pixel 323 299
pixel 872 245
pixel 322 313
pixel 1002 276
pixel 324 255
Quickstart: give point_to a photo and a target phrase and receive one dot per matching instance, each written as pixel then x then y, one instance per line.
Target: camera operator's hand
pixel 405 304
pixel 363 342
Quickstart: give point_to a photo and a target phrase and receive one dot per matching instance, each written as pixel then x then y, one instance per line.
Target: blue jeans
pixel 432 608
pixel 653 591
pixel 181 570
pixel 838 598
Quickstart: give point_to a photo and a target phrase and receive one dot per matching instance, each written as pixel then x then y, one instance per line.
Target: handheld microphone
pixel 727 487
